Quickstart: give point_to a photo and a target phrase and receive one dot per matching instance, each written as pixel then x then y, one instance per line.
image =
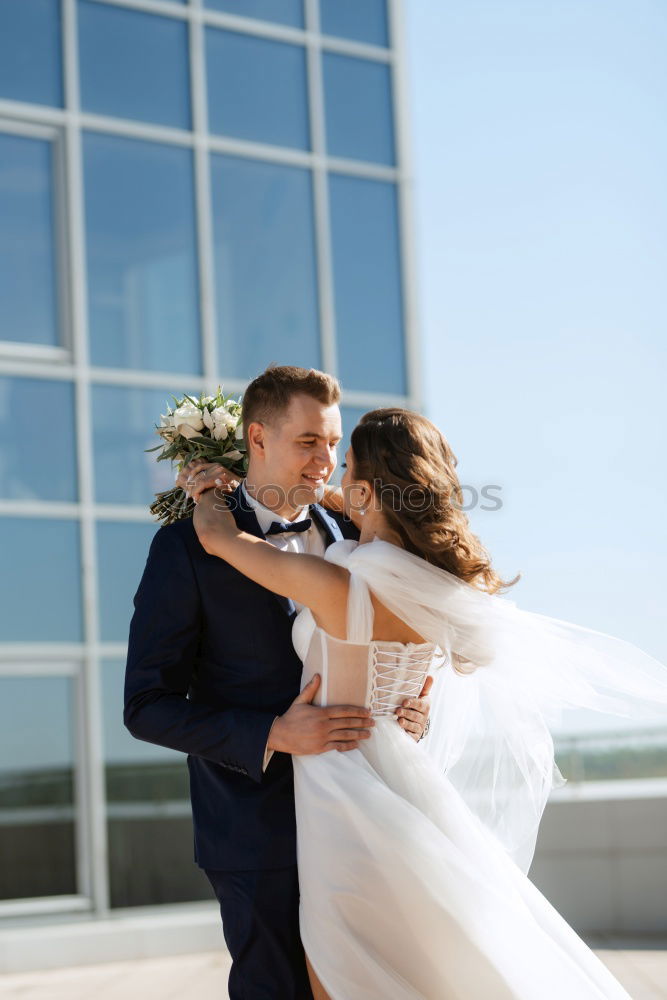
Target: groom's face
pixel 296 452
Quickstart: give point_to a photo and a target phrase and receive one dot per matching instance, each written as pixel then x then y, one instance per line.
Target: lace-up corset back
pixel 360 670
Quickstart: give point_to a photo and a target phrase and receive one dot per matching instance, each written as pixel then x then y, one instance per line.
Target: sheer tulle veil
pixel 491 729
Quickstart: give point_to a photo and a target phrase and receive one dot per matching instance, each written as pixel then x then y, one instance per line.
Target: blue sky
pixel 540 157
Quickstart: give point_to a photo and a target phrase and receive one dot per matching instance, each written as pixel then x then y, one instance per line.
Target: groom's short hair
pixel 269 395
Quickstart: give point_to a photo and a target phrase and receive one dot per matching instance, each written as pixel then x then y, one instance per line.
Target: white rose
pixel 239 431
pixel 188 415
pixel 218 423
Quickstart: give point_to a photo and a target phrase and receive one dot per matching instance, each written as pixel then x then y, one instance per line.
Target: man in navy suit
pixel 211 671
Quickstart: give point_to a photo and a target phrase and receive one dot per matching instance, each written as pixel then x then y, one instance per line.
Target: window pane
pixel 122 549
pixel 27 241
pixel 257 89
pixel 41 596
pixel 123 427
pixel 37 838
pixel 359 119
pixel 282 11
pixel 133 65
pixel 367 284
pixel 351 416
pixel 39 409
pixel 148 812
pixel 362 20
pixel 141 246
pixel 30 60
pixel 266 283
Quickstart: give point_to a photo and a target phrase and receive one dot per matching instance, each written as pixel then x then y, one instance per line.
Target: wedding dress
pixel 413 857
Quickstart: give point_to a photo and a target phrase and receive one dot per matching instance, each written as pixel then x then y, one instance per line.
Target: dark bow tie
pixel 276 528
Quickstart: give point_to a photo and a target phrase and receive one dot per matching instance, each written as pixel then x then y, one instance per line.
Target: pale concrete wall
pixel 602 862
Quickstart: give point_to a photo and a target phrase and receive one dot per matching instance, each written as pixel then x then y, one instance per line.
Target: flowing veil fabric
pixel 491 728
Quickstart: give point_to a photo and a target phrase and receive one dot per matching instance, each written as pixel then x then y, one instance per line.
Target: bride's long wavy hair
pixel 411 468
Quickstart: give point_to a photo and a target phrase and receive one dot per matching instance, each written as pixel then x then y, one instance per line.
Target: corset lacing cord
pixel 395 676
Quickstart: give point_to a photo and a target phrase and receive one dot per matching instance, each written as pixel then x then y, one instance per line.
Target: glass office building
pixel 188 192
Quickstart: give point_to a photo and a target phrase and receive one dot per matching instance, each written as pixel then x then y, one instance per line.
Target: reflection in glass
pixel 358 108
pixel 122 549
pixel 27 241
pixel 141 247
pixel 133 65
pixel 37 835
pixel 40 588
pixel 265 272
pixel 367 284
pixel 257 89
pixel 360 20
pixel 27 405
pixel 123 427
pixel 30 46
pixel 611 754
pixel 281 11
pixel 148 812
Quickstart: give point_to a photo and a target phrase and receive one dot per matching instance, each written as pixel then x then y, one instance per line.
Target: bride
pixel 413 858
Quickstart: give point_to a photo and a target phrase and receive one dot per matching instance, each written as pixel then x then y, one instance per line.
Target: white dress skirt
pixel 405 892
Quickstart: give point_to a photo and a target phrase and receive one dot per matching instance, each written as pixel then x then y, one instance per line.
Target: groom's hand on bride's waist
pixel 310 729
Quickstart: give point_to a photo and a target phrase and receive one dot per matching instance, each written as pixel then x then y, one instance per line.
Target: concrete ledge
pixel 643 973
pixel 125 935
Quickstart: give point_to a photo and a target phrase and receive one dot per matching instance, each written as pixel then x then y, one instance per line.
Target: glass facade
pixel 37 796
pixel 28 401
pixel 31 52
pixel 264 237
pixel 143 302
pixel 28 240
pixel 256 89
pixel 189 192
pixel 133 65
pixel 357 100
pixel 359 20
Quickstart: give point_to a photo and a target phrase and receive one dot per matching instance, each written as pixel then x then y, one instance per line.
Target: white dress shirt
pixel 310 542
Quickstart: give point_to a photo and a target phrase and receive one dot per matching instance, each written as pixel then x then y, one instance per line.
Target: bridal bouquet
pixel 210 428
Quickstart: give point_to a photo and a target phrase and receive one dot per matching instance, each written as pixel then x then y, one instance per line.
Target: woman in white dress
pixel 413 858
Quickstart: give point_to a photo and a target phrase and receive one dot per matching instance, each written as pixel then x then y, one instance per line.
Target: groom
pixel 211 671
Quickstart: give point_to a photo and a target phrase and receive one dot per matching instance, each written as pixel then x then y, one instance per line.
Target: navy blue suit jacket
pixel 210 664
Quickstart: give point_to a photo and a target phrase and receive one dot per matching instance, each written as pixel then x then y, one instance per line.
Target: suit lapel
pixel 328 523
pixel 246 520
pixel 244 515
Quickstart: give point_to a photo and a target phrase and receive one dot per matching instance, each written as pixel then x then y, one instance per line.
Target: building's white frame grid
pixel 81 662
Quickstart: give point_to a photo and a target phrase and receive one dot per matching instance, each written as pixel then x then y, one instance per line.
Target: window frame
pixel 70 668
pixel 62 351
